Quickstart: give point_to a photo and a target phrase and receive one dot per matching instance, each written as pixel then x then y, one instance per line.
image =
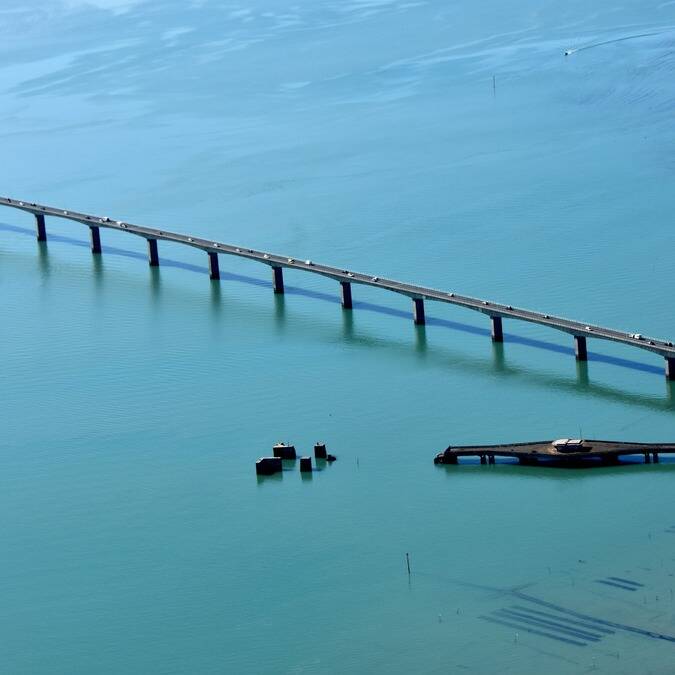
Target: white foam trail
pixel 568 52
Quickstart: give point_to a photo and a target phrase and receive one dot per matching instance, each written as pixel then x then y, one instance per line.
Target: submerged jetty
pixel 572 452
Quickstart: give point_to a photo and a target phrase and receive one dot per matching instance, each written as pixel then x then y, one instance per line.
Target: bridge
pixel 496 312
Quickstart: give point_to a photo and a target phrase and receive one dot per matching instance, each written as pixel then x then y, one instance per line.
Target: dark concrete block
pixel 284 451
pixel 266 466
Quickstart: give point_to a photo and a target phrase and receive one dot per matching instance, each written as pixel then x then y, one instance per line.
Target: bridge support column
pixel 40 227
pixel 655 457
pixel 418 311
pixel 497 332
pixel 648 458
pixel 483 459
pixel 153 255
pixel 346 294
pixel 278 279
pixel 670 367
pixel 214 268
pixel 580 348
pixel 95 238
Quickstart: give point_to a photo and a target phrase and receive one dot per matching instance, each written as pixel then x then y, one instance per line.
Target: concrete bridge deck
pixel 580 330
pixel 564 451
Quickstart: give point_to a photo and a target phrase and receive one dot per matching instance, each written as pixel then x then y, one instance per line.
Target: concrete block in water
pixel 320 450
pixel 284 451
pixel 266 466
pixel 305 464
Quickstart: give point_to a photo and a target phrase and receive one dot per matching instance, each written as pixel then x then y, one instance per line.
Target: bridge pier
pixel 95 238
pixel 153 255
pixel 655 457
pixel 670 367
pixel 418 311
pixel 278 279
pixel 497 331
pixel 40 227
pixel 648 459
pixel 214 267
pixel 346 294
pixel 580 348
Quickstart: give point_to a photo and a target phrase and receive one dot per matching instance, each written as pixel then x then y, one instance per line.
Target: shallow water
pixel 367 134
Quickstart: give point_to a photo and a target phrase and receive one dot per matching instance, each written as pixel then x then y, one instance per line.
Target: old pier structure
pixel 496 312
pixel 564 451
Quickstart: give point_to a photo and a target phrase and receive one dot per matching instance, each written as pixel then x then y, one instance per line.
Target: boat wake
pixel 569 52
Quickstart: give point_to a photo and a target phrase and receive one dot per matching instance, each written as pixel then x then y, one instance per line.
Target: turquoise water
pixel 367 134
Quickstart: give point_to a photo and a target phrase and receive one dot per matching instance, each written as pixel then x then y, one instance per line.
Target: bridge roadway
pixel 496 311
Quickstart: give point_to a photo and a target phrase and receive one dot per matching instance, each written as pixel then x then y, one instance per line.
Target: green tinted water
pixel 136 537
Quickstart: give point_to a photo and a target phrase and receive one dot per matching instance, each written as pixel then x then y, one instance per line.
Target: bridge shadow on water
pixel 499 362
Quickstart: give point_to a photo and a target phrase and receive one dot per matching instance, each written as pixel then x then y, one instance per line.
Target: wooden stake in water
pixel 407 562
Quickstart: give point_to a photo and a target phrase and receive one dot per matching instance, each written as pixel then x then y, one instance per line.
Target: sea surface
pixel 451 144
